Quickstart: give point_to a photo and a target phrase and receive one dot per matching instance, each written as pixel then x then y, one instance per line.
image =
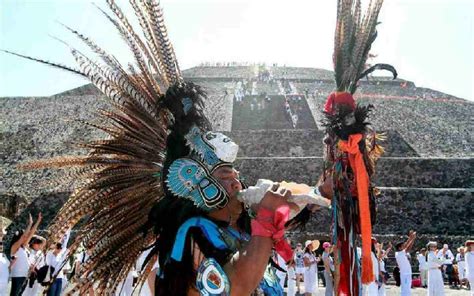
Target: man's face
pixel 228 177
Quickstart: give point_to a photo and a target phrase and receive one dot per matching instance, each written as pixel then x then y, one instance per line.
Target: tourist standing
pixel 404 264
pixel 36 259
pixel 311 268
pixel 299 265
pixel 448 258
pixel 435 263
pixel 461 262
pixel 423 267
pixel 291 284
pixel 470 264
pixel 4 266
pixel 373 287
pixel 55 258
pixel 328 269
pixel 20 264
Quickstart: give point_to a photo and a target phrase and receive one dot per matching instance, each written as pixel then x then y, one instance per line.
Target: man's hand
pixel 277 197
pixel 326 188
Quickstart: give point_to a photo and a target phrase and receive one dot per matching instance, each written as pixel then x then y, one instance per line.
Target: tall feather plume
pixel 353 38
pixel 118 181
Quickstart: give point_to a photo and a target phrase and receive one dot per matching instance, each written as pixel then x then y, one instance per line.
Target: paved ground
pixel 391 291
pixel 395 291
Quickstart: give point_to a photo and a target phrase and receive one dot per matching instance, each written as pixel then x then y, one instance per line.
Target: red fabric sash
pixel 356 161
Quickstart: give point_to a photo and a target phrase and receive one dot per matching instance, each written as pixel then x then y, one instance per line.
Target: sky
pixel 430 42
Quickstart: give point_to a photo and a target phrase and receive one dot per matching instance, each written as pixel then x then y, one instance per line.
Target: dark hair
pixel 398 246
pixel 16 237
pixel 36 240
pixel 59 245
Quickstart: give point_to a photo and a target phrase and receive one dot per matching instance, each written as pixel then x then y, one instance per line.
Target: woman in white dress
pixel 470 264
pixel 311 268
pixel 435 278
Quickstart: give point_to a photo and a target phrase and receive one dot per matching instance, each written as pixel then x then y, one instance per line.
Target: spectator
pixel 396 275
pixel 384 276
pixel 435 262
pixel 291 284
pixel 80 260
pixel 373 287
pixel 423 267
pixel 36 259
pixel 299 265
pixel 470 264
pixel 448 258
pixel 4 266
pixel 20 265
pixel 328 269
pixel 311 267
pixel 55 258
pixel 404 264
pixel 461 262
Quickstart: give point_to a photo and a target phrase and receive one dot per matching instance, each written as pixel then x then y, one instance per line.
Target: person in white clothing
pixel 470 264
pixel 125 288
pixel 4 266
pixel 79 261
pixel 448 258
pixel 55 258
pixel 20 264
pixel 404 264
pixel 37 260
pixel 423 267
pixel 311 268
pixel 382 255
pixel 291 284
pixel 148 288
pixel 373 287
pixel 435 263
pixel 461 262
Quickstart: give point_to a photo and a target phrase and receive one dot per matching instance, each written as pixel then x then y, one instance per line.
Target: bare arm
pixel 248 269
pixel 23 238
pixel 34 228
pixel 410 241
pixel 326 265
pixel 388 249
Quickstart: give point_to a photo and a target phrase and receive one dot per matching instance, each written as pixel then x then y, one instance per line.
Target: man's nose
pixel 236 185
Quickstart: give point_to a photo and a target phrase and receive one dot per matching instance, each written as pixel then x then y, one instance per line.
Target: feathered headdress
pixel 158 141
pixel 351 149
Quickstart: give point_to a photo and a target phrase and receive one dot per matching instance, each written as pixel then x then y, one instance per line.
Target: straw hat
pixel 307 243
pixel 316 244
pixel 469 242
pixel 432 243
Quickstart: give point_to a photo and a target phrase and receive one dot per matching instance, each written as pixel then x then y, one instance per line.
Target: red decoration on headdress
pixel 339 98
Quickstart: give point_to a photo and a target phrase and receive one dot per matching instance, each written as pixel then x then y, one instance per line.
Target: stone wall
pixel 391 172
pixel 302 142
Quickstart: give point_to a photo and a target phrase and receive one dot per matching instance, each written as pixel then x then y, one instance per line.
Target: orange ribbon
pixel 356 161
